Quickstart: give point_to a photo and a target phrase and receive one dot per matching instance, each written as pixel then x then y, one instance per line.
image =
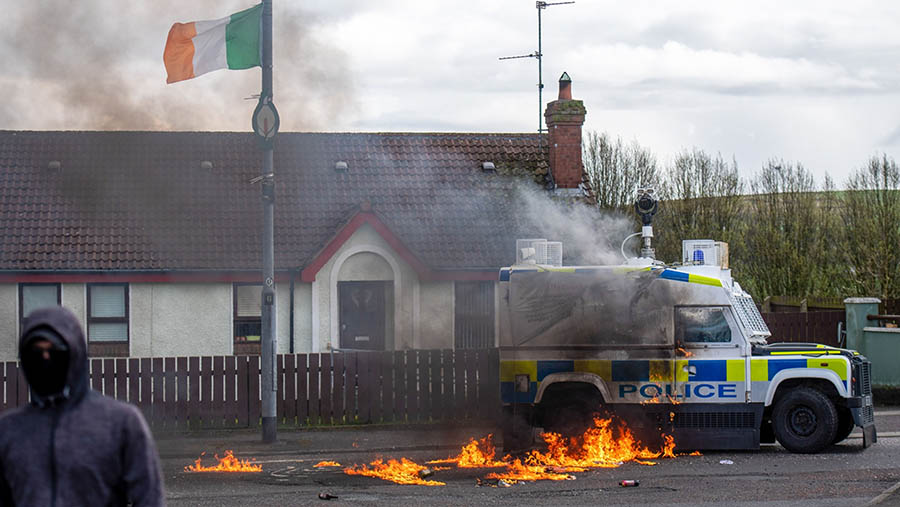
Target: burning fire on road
pixel 228 463
pixel 608 443
pixel 475 454
pixel 605 445
pixel 404 471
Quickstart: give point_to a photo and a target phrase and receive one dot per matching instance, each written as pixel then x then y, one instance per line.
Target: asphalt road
pixel 845 474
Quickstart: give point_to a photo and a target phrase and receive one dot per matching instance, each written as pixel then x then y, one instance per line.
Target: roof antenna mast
pixel 539 5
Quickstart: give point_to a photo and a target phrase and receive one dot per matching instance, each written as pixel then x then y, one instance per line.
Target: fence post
pixel 857 310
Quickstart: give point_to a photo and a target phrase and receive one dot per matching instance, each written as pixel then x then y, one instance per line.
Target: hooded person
pixel 72 445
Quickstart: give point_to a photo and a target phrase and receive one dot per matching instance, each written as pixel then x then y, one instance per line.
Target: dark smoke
pixel 98 66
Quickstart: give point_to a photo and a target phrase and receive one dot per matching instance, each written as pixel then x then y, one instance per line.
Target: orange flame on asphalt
pixel 475 454
pixel 327 464
pixel 402 472
pixel 602 446
pixel 228 463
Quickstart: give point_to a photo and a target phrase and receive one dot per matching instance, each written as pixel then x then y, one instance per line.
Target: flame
pixel 605 445
pixel 684 352
pixel 228 463
pixel 475 454
pixel 602 446
pixel 327 464
pixel 527 471
pixel 402 472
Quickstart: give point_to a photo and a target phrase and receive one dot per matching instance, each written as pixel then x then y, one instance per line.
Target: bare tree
pixel 703 201
pixel 871 219
pixel 616 170
pixel 785 235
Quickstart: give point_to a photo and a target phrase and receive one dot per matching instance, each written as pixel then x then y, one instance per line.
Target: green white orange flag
pixel 232 42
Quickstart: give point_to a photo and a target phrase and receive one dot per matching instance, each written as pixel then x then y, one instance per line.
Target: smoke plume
pixel 98 66
pixel 589 236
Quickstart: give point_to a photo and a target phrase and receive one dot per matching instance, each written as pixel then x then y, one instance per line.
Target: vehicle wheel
pixel 845 424
pixel 805 421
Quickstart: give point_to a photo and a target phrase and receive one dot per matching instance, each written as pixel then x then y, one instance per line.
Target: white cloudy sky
pixel 811 81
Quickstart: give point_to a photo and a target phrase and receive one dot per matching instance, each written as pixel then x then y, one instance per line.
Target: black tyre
pixel 845 424
pixel 805 420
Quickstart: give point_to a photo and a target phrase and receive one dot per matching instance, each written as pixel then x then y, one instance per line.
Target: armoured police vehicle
pixel 678 349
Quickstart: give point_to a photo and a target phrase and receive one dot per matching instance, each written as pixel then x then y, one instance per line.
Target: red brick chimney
pixel 564 118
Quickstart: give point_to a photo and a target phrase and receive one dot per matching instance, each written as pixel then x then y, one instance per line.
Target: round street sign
pixel 265 120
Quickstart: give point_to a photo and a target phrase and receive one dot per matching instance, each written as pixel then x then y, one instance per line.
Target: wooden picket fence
pixel 180 393
pixel 815 327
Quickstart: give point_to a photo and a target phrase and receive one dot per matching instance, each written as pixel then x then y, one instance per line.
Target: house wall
pixel 172 319
pixel 74 298
pixel 303 320
pixel 366 256
pixel 9 321
pixel 180 319
pixel 436 317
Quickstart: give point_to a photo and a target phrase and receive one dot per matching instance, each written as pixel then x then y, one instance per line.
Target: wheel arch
pixel 573 378
pixel 799 376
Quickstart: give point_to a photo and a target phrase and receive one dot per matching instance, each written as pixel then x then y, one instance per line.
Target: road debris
pixel 629 483
pixel 326 496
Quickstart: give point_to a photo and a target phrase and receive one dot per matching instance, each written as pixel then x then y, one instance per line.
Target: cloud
pixel 677 66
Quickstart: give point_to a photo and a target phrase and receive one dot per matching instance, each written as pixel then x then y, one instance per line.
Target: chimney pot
pixel 565 87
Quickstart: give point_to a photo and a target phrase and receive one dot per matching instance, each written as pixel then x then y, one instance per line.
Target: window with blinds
pixel 108 313
pixel 247 318
pixel 37 295
pixel 474 315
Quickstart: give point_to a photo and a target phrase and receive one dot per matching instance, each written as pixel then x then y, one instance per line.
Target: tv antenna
pixel 539 5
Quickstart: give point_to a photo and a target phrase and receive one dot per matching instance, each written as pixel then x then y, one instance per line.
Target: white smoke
pixel 590 236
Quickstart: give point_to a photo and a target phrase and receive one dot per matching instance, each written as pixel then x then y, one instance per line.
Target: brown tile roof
pixel 141 201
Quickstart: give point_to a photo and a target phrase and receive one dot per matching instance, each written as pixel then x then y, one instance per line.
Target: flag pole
pixel 269 381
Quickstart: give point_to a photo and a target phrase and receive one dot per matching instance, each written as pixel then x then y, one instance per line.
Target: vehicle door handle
pixel 690 369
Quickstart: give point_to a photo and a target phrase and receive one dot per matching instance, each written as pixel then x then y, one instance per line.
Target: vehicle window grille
pixel 714 420
pixel 749 315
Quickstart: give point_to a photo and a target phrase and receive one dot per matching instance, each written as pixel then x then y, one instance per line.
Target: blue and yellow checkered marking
pixel 658 371
pixel 666 274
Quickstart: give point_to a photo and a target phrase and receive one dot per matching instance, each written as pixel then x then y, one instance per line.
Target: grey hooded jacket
pixel 86 449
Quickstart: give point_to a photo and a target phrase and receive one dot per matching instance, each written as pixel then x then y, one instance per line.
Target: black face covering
pixel 46 375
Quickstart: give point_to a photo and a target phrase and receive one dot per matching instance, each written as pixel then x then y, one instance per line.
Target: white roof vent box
pixel 539 251
pixel 549 253
pixel 704 252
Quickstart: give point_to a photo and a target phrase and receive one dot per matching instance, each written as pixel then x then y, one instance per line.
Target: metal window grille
pixel 749 315
pixel 474 316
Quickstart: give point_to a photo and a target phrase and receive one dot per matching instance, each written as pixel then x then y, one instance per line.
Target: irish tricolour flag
pixel 196 48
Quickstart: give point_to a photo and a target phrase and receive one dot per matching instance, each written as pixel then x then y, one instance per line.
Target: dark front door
pixel 362 315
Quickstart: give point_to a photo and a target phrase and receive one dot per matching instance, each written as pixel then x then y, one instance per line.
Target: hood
pixel 66 325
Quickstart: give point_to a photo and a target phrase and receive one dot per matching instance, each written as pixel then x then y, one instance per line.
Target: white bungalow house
pixel 383 241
